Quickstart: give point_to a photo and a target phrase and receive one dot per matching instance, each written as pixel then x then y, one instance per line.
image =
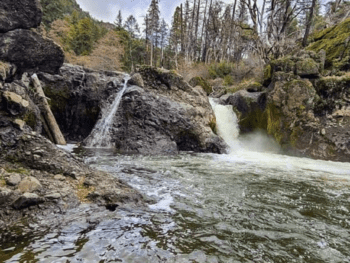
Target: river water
pixel 252 205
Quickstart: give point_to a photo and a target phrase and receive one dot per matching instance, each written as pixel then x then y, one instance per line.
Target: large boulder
pixel 23 14
pixel 289 108
pixel 166 116
pixel 30 52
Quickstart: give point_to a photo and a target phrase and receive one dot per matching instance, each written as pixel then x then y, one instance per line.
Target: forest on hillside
pixel 206 38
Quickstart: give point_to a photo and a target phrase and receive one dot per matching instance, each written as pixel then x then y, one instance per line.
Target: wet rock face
pixel 167 116
pixel 77 95
pixel 249 107
pixel 23 14
pixel 30 52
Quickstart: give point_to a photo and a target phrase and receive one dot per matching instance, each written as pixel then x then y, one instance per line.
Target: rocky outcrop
pixel 250 109
pixel 167 116
pixel 24 14
pixel 307 114
pixel 36 177
pixel 334 41
pixel 30 52
pixel 22 47
pixel 77 95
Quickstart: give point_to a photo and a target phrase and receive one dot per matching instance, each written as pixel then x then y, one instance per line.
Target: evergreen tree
pixel 119 20
pixel 153 14
pixel 132 26
pixel 82 36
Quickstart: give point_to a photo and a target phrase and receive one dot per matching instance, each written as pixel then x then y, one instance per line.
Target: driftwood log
pixel 50 124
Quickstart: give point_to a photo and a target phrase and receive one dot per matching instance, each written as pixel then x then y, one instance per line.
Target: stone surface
pixel 307 114
pixel 59 177
pixel 13 179
pixel 7 71
pixel 29 184
pixel 307 68
pixel 136 79
pixel 249 108
pixel 167 116
pixel 27 200
pixel 20 123
pixel 77 95
pixel 30 52
pixel 14 103
pixel 23 14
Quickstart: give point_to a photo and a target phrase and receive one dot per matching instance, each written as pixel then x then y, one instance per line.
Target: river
pixel 251 205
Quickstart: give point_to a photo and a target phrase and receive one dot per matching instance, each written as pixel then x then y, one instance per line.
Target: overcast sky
pixel 107 10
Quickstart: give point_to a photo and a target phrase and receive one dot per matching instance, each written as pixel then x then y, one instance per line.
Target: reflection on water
pixel 242 207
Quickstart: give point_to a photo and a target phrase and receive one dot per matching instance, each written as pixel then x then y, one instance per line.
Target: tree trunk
pixel 48 116
pixel 309 22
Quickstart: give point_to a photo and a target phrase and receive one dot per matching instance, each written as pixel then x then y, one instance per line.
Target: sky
pixel 107 10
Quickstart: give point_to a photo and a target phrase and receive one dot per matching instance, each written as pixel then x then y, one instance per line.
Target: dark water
pixel 248 207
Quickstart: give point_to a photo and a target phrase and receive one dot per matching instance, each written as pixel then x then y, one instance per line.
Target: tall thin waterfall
pixel 100 136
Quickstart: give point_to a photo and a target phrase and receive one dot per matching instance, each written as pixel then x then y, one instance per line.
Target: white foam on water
pixel 163 204
pixel 68 147
pixel 261 151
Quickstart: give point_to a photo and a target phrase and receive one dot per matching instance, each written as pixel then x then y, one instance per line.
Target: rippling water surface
pixel 242 207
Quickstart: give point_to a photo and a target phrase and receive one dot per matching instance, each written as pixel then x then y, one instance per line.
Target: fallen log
pixel 48 116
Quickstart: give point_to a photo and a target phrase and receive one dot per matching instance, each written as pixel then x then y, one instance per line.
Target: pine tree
pixel 153 14
pixel 119 20
pixel 132 26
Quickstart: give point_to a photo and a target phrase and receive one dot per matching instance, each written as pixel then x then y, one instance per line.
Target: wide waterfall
pixel 228 129
pixel 100 136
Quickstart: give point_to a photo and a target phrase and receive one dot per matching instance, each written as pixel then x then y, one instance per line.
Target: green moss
pixel 2 181
pixel 285 64
pixel 256 120
pixel 245 85
pixel 220 70
pixel 306 67
pixel 335 41
pixel 274 122
pixel 333 84
pixel 295 135
pixel 267 74
pixel 18 171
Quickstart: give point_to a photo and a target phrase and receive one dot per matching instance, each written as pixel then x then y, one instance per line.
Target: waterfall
pixel 228 129
pixel 100 137
pixel 226 123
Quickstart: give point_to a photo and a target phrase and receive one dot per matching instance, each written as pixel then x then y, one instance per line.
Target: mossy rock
pixel 307 68
pixel 199 81
pixel 251 86
pixel 267 75
pixel 333 84
pixel 336 43
pixel 285 64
